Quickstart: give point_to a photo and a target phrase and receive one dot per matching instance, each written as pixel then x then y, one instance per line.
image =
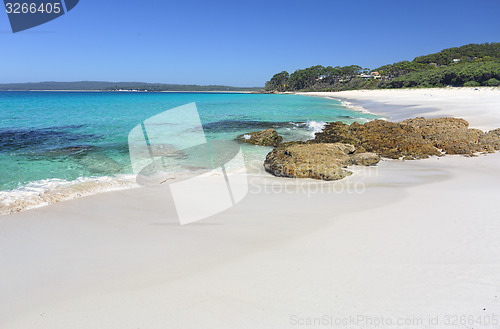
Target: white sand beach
pixel 479 105
pixel 408 244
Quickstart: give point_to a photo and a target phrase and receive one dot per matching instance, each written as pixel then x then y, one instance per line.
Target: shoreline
pixel 418 240
pixel 401 104
pixel 138 91
pixel 357 100
pixel 46 192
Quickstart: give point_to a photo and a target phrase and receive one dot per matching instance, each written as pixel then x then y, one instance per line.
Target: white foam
pixel 353 107
pixel 315 127
pixel 49 191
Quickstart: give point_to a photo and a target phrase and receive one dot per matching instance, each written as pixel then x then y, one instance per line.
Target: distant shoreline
pixel 131 91
pixel 135 86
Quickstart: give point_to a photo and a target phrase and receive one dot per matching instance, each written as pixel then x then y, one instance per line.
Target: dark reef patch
pixel 26 140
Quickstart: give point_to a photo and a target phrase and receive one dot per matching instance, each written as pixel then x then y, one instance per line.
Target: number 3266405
pixel 33 8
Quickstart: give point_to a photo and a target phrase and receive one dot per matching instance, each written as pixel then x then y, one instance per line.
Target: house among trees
pixel 372 75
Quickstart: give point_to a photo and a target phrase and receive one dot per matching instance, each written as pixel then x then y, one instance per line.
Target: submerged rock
pixel 268 137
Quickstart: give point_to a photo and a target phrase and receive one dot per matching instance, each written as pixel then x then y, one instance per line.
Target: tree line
pixel 469 65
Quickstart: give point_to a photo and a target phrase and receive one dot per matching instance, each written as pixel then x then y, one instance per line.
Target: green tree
pixel 493 82
pixel 278 82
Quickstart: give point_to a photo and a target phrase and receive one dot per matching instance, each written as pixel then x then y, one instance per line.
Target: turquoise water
pixel 54 137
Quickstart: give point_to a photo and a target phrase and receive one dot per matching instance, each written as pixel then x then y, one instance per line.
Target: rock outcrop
pixel 491 139
pixel 340 145
pixel 364 159
pixel 326 161
pixel 268 137
pixel 412 138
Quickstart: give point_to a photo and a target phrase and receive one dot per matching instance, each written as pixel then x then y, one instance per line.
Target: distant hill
pixel 111 86
pixel 485 51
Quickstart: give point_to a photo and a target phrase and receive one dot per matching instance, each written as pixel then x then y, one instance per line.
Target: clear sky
pixel 239 43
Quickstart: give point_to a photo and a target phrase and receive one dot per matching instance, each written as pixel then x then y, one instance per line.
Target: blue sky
pixel 239 43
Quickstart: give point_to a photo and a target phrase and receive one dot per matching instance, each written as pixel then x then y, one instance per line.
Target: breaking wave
pixel 49 191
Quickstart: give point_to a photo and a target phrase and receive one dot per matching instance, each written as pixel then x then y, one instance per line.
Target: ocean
pixel 61 145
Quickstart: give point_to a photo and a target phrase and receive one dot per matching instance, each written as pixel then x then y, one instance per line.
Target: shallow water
pixel 58 145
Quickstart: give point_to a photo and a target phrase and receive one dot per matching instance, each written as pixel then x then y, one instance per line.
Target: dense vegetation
pixel 467 74
pixel 483 51
pixel 469 65
pixel 111 86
